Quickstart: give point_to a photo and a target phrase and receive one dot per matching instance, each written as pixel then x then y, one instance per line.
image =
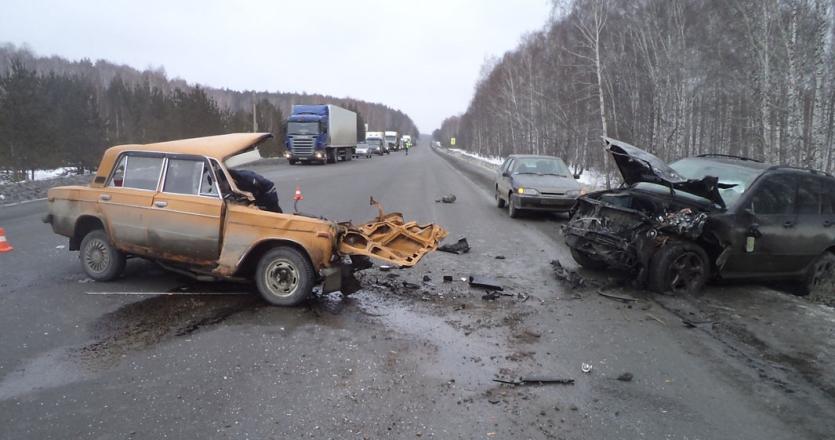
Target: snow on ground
pixel 5 177
pixel 492 160
pixel 591 178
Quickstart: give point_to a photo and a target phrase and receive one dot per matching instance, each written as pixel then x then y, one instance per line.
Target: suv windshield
pixel 540 165
pixel 728 173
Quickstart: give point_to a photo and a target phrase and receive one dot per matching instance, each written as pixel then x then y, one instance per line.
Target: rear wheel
pixel 99 259
pixel 284 277
pixel 680 268
pixel 586 260
pixel 820 279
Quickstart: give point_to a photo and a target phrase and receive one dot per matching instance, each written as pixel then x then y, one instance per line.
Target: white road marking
pixel 24 202
pixel 168 293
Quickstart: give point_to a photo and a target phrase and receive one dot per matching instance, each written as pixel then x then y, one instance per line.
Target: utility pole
pixel 254 120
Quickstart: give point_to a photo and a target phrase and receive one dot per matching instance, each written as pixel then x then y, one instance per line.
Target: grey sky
pixel 422 57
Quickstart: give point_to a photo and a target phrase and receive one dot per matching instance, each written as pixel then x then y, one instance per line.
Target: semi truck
pixel 322 133
pixel 377 138
pixel 393 140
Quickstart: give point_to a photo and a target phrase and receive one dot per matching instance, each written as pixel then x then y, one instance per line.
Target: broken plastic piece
pixel 571 277
pixel 485 282
pixel 460 247
pixel 537 381
pixel 447 278
pixel 449 198
pixel 585 368
pixel 625 377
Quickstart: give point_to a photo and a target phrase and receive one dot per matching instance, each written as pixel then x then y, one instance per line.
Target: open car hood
pixel 636 165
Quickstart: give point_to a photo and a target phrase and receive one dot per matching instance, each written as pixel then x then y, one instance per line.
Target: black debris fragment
pixel 694 324
pixel 621 298
pixel 625 377
pixel 485 282
pixel 409 285
pixel 449 198
pixel 460 247
pixel 500 257
pixel 447 278
pixel 568 276
pixel 491 296
pixel 536 381
pixel 426 279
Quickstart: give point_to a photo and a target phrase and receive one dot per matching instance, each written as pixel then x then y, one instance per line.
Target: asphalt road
pixel 154 355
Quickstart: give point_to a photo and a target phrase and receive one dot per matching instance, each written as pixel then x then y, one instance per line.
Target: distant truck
pixel 320 133
pixel 393 140
pixel 378 138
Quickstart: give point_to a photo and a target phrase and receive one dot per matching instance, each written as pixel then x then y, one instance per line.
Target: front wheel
pixel 99 259
pixel 499 199
pixel 284 277
pixel 680 268
pixel 512 211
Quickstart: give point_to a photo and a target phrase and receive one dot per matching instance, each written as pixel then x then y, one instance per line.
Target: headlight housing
pixel 573 193
pixel 527 191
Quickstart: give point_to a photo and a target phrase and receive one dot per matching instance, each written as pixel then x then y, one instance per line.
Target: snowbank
pixel 492 160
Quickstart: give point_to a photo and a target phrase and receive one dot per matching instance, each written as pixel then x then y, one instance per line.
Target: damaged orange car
pixel 176 203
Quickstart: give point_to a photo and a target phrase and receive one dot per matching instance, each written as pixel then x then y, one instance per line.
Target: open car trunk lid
pixel 637 165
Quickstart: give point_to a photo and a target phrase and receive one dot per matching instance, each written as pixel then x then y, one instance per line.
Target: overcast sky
pixel 421 56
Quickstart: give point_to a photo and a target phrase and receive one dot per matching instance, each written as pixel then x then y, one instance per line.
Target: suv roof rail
pixel 810 170
pixel 729 156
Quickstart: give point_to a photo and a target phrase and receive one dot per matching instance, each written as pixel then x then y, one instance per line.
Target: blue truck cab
pixel 320 133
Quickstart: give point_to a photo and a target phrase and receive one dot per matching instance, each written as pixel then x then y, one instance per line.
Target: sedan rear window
pixel 183 176
pixel 139 172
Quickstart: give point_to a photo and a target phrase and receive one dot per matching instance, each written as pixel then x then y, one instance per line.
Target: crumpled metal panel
pixel 389 238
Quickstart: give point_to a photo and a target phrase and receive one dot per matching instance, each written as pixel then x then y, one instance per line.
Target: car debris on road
pixel 449 198
pixel 536 381
pixel 459 247
pixel 485 282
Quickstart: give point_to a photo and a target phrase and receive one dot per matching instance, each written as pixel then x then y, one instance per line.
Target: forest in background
pixel 754 78
pixel 60 113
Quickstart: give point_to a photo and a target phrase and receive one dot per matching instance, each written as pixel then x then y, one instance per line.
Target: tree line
pixel 55 112
pixel 754 78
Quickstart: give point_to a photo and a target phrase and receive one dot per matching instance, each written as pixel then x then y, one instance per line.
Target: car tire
pixel 499 199
pixel 99 259
pixel 586 260
pixel 680 268
pixel 284 277
pixel 292 162
pixel 819 282
pixel 512 211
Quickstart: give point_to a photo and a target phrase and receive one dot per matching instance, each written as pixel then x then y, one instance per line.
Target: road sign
pixel 452 141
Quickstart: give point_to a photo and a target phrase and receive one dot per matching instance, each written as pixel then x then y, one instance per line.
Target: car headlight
pixel 573 193
pixel 527 191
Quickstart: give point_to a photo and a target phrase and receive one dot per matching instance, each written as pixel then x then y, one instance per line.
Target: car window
pixel 503 168
pixel 809 196
pixel 776 195
pixel 828 196
pixel 183 176
pixel 208 185
pixel 118 177
pixel 142 172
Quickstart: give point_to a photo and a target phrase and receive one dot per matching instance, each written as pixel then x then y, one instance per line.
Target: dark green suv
pixel 676 226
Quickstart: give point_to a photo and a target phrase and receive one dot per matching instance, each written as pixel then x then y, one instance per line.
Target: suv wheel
pixel 284 277
pixel 586 260
pixel 99 259
pixel 820 279
pixel 680 268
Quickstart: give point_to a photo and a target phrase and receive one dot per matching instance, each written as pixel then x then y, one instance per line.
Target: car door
pixel 127 198
pixel 776 246
pixel 187 212
pixel 503 179
pixel 814 217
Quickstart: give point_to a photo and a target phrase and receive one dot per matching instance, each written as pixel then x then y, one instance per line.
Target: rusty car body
pixel 676 226
pixel 176 203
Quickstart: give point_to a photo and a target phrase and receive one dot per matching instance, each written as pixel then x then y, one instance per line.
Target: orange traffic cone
pixel 298 195
pixel 4 245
